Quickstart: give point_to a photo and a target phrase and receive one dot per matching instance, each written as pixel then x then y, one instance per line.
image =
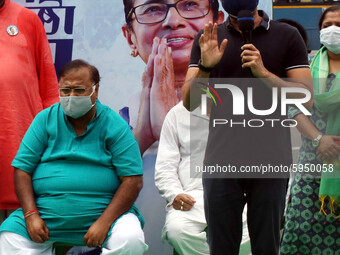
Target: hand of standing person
pixel 251 58
pixel 328 148
pixel 211 52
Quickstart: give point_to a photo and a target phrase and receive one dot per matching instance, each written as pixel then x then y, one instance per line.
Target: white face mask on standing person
pixel 330 38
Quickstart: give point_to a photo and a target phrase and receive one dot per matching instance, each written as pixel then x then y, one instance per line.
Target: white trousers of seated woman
pixel 127 238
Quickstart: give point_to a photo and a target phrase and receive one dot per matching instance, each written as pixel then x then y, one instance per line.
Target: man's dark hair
pixel 333 8
pixel 79 63
pixel 128 5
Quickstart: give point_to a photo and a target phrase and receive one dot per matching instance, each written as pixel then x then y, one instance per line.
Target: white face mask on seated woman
pixel 330 37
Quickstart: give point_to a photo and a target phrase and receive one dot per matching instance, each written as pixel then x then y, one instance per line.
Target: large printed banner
pixel 91 30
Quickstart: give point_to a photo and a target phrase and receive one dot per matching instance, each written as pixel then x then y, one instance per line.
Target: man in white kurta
pixel 185 226
pixel 180 154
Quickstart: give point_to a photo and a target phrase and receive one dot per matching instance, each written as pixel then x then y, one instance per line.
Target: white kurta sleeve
pixel 168 158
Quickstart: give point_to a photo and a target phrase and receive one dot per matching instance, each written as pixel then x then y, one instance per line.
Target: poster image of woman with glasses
pixel 161 33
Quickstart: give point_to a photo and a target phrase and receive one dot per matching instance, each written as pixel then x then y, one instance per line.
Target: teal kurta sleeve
pixel 33 144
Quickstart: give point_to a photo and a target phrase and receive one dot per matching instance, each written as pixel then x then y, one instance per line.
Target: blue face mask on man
pixel 232 7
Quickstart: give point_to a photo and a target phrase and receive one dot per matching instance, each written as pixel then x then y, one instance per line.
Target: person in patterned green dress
pixel 309 230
